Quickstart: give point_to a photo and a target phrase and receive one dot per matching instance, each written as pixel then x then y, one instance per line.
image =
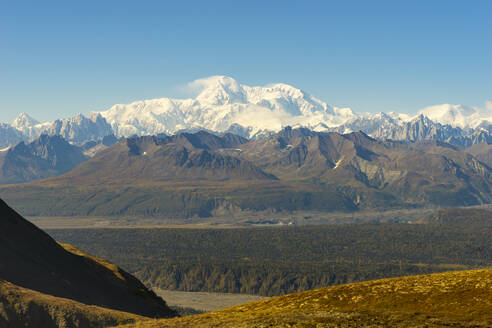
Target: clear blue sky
pixel 59 58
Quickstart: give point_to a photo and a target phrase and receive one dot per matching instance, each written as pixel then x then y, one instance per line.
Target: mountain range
pixel 224 105
pixel 203 174
pixel 44 157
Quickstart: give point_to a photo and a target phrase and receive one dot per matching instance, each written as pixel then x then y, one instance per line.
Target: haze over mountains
pixel 225 105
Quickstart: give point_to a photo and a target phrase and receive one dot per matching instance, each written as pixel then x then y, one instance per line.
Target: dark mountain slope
pixel 22 307
pixel 183 157
pixel 46 156
pixel 207 141
pixel 30 258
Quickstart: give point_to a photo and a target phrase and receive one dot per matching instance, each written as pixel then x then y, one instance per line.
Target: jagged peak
pixel 359 136
pixel 24 121
pixel 289 132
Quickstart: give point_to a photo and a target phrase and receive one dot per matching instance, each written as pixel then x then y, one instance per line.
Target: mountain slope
pixel 9 136
pixel 482 151
pixel 458 299
pixel 294 170
pixel 22 307
pixel 31 259
pixel 45 157
pixel 422 172
pixel 182 157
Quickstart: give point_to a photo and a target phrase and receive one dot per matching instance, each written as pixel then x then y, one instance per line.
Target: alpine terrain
pixel 222 104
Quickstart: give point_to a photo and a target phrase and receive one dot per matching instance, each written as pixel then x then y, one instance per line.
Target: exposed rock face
pixel 45 157
pixel 80 129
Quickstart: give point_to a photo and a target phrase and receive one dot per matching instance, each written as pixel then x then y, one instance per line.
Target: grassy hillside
pixel 22 307
pixel 452 299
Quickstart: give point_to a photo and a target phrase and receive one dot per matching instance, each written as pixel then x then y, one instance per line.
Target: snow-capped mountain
pixel 391 126
pixel 24 123
pixel 454 115
pixel 9 136
pixel 222 103
pixel 78 129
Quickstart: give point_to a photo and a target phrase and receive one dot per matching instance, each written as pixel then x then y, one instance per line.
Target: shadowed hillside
pixel 22 307
pixel 44 157
pixel 31 259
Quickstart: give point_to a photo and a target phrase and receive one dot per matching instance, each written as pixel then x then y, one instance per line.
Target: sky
pixel 60 58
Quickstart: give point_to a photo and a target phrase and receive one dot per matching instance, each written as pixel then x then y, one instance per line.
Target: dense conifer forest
pixel 275 261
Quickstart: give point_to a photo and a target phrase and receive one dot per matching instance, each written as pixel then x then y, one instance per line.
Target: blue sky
pixel 59 58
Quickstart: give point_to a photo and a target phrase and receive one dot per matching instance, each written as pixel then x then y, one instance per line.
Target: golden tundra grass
pixel 451 299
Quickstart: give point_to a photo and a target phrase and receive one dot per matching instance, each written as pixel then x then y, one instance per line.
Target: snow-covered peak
pixel 223 102
pixel 454 115
pixel 219 90
pixel 23 122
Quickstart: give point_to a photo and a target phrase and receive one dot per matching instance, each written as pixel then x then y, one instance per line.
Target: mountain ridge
pixel 294 170
pixel 225 105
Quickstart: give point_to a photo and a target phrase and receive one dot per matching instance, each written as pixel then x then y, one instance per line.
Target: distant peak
pixel 215 82
pixel 218 90
pixel 286 88
pixel 23 121
pixel 297 132
pixel 455 115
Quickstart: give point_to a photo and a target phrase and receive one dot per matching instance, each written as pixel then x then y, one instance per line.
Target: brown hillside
pixel 294 170
pixel 452 299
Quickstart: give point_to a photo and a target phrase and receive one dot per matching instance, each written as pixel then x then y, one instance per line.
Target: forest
pixel 280 260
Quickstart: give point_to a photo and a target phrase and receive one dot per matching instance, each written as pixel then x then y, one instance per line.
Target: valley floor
pixel 202 301
pixel 244 220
